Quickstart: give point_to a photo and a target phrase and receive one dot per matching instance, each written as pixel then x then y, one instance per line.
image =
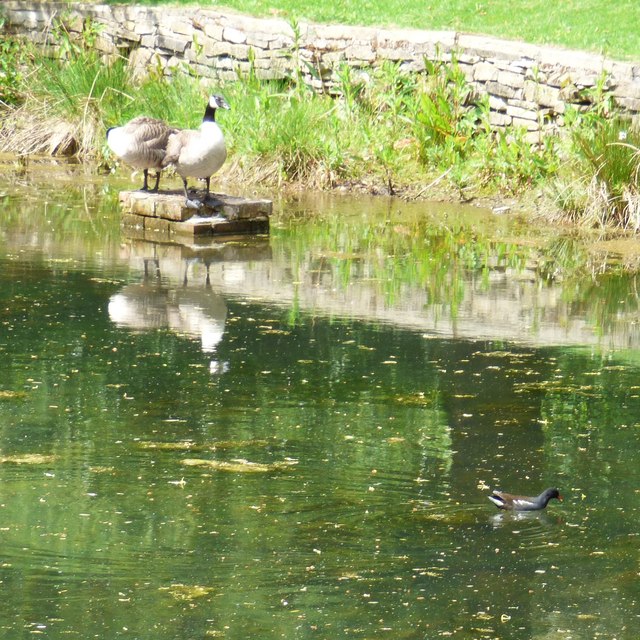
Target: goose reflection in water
pixel 197 314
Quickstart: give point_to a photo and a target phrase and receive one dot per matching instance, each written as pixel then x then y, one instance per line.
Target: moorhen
pixel 511 502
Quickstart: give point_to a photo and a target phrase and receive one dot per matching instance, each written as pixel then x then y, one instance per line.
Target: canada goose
pixel 198 153
pixel 141 143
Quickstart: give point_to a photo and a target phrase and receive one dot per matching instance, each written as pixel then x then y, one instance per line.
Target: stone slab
pixel 171 205
pixel 216 226
pixel 166 213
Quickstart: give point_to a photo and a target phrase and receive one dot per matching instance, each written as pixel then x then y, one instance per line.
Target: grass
pixel 605 190
pixel 600 26
pixel 396 133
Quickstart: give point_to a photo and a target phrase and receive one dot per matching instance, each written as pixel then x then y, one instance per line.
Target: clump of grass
pixel 68 102
pixel 283 133
pixel 447 115
pixel 603 187
pixel 608 158
pixel 63 100
pixel 14 57
pixel 513 163
pixel 63 109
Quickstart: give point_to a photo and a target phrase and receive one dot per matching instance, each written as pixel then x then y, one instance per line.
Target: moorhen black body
pixel 511 502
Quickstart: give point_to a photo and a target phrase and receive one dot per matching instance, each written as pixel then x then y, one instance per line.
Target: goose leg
pixel 191 204
pixel 145 184
pixel 208 198
pixel 157 184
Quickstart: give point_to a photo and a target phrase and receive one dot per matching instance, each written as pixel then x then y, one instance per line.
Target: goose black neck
pixel 209 114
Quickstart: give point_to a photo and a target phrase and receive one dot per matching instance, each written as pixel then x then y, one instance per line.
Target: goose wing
pixel 149 131
pixel 176 143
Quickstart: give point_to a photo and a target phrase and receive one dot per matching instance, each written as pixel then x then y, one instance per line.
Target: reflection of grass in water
pixel 557 386
pixel 63 203
pixel 414 400
pixel 403 250
pixel 395 250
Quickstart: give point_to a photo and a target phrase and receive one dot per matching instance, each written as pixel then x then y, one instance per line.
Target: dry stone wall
pixel 527 85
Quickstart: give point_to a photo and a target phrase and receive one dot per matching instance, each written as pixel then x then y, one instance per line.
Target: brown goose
pixel 141 143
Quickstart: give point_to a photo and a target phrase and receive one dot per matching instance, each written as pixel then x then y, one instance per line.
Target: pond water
pixel 294 436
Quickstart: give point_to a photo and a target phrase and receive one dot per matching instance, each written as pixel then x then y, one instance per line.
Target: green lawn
pixel 611 27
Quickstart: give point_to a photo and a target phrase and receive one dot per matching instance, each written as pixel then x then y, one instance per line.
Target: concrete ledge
pixel 166 214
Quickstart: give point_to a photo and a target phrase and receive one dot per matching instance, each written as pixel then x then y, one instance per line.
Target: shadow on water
pixel 295 435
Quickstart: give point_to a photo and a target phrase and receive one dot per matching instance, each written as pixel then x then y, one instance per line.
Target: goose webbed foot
pixel 212 201
pixel 189 202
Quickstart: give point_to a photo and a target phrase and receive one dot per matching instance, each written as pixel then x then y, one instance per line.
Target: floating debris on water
pixel 185 445
pixel 240 465
pixel 189 445
pixel 12 395
pixel 414 400
pixel 28 458
pixel 187 591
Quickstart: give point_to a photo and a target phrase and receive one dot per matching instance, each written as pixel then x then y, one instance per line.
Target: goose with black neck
pixel 198 153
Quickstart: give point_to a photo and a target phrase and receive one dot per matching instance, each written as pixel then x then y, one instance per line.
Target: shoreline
pixel 498 204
